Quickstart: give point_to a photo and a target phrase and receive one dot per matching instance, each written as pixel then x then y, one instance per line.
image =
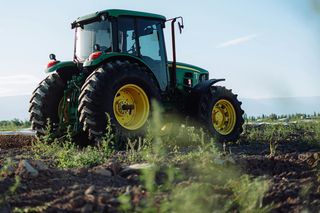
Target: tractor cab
pixel 114 32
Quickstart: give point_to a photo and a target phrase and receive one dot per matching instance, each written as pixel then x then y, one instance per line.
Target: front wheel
pixel 221 113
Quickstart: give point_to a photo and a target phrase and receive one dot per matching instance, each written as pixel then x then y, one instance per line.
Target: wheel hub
pixel 223 117
pixel 131 106
pixel 127 107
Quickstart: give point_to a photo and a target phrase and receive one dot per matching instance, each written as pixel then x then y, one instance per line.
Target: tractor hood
pixel 188 76
pixel 188 67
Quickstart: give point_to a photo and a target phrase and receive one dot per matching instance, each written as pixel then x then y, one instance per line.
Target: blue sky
pixel 265 48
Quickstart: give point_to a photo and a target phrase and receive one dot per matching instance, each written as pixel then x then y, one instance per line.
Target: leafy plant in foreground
pixel 199 180
pixel 67 154
pixel 7 190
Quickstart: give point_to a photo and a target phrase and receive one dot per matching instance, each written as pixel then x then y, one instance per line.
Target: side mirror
pixel 52 57
pixel 148 30
pixel 181 26
pixel 96 47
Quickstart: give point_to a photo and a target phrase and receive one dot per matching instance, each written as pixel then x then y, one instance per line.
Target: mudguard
pixel 196 93
pixel 61 65
pixel 106 56
pixel 204 86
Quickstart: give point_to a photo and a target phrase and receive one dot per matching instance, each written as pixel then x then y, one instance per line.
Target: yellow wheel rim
pixel 223 117
pixel 131 107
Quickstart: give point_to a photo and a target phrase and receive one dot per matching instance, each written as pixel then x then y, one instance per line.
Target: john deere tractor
pixel 119 67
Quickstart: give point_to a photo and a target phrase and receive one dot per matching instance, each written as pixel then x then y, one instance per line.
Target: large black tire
pixel 44 103
pixel 220 112
pixel 99 92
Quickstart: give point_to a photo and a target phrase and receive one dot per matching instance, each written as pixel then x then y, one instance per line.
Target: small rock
pixel 75 186
pixel 135 168
pixel 25 169
pixel 114 166
pixel 133 177
pixel 72 194
pixel 90 190
pixel 81 172
pixel 90 198
pixel 102 171
pixel 41 166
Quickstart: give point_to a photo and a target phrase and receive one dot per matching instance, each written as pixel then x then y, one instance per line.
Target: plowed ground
pixel 293 172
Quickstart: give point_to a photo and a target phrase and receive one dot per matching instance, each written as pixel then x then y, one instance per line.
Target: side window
pixel 143 37
pixel 149 42
pixel 151 47
pixel 126 38
pixel 149 39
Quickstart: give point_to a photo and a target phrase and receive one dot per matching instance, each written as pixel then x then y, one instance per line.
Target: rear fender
pixel 204 86
pixel 110 56
pixel 60 66
pixel 65 69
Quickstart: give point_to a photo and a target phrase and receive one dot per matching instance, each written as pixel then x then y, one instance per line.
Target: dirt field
pixel 293 173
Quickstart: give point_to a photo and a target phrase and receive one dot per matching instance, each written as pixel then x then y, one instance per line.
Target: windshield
pixel 91 34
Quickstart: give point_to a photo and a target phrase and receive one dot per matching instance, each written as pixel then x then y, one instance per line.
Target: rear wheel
pixel 221 113
pixel 44 103
pixel 122 89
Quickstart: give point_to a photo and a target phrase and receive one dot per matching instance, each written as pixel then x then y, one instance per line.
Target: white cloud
pixel 18 79
pixel 237 41
pixel 14 85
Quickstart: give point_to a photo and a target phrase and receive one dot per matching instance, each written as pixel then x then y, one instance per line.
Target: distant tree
pixel 16 122
pixel 245 117
pixel 273 117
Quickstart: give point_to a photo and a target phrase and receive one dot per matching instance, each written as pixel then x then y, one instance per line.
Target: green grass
pixel 14 125
pixel 66 154
pixel 305 132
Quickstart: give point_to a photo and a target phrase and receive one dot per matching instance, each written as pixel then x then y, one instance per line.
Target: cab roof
pixel 117 13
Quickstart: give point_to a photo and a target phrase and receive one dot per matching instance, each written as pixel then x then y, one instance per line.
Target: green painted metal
pixel 68 107
pixel 117 13
pixel 59 65
pixel 189 67
pixel 106 56
pixel 186 71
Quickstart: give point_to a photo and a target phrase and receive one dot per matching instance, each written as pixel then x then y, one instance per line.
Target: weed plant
pixel 7 190
pixel 201 179
pixel 303 132
pixel 66 154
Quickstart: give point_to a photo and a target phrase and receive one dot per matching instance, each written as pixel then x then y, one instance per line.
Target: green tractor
pixel 119 66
